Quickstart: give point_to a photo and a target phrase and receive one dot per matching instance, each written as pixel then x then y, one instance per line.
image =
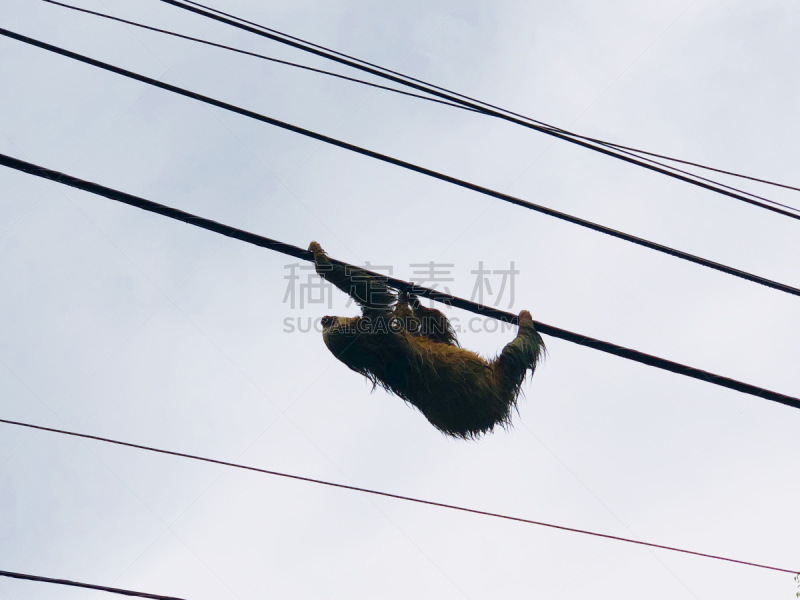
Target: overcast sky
pixel 124 324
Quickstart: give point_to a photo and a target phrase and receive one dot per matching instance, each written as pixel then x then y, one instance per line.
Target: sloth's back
pixel 454 388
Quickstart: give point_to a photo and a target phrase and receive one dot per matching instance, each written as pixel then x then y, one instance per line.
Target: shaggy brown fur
pixel 412 352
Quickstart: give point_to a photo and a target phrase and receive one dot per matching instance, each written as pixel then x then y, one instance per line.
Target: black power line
pixel 491 106
pixel 468 98
pixel 406 79
pixel 288 249
pixel 90 586
pixel 706 167
pixel 623 149
pixel 490 109
pixel 390 495
pixel 257 55
pixel 407 165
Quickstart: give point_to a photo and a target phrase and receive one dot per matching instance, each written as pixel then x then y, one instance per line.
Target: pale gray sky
pixel 124 324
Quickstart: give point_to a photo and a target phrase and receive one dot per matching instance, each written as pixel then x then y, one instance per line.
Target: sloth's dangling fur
pixel 412 351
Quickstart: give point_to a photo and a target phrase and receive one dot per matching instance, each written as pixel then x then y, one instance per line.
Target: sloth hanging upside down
pixel 412 351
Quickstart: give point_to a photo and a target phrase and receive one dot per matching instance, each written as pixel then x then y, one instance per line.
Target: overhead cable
pixel 701 166
pixel 623 149
pixel 395 496
pixel 288 249
pixel 489 109
pixel 407 165
pixel 471 99
pixel 90 586
pixel 257 55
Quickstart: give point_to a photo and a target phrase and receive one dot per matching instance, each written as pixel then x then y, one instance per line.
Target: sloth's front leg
pixel 520 355
pixel 368 291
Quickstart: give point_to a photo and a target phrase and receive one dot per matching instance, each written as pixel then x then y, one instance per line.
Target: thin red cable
pixel 398 496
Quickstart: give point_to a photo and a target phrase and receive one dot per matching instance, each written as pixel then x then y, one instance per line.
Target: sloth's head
pixel 339 333
pixel 349 339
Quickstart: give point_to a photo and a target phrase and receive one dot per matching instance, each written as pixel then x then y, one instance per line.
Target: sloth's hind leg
pixel 433 323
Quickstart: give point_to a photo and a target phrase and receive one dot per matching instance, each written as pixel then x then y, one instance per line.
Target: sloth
pixel 412 352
